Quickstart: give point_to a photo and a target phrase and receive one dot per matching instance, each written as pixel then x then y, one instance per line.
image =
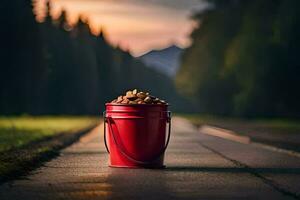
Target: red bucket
pixel 136 134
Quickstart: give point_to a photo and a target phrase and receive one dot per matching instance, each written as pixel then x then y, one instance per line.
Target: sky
pixel 138 26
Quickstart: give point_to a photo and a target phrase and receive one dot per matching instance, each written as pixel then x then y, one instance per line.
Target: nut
pixel 136 97
pixel 141 95
pixel 120 99
pixel 148 100
pixel 163 102
pixel 152 97
pixel 130 95
pixel 156 100
pixel 125 101
pixel 132 102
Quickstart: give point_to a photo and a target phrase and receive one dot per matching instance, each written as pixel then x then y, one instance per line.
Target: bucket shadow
pixel 136 184
pixel 232 170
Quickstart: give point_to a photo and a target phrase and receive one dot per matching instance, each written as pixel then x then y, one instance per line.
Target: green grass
pixel 16 132
pixel 17 157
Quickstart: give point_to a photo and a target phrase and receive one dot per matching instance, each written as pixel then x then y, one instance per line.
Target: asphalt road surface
pixel 199 166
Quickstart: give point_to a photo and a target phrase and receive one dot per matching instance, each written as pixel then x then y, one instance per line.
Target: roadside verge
pixel 16 163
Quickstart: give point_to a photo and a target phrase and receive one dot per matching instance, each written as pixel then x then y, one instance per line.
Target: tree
pixel 244 60
pixel 202 73
pixel 20 61
pixel 54 68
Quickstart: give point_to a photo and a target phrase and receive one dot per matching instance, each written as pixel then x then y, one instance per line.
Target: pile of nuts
pixel 136 97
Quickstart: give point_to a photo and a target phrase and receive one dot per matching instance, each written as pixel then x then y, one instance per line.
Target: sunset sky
pixel 136 25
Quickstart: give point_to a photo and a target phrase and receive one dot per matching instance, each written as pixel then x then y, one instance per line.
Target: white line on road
pixel 231 135
pixel 276 149
pixel 224 133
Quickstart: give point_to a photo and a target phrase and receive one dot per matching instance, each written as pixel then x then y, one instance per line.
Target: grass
pixel 27 141
pixel 18 131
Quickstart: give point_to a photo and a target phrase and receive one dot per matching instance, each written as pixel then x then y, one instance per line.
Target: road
pixel 199 166
pixel 286 137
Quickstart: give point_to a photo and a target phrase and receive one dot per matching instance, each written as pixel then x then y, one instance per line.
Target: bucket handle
pixel 109 119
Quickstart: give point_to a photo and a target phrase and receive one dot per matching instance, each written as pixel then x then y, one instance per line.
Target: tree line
pixel 55 68
pixel 245 59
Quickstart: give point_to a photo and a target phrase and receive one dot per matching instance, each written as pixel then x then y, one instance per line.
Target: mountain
pixel 51 68
pixel 166 60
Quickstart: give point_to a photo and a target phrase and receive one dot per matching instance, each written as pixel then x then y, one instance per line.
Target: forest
pixel 244 60
pixel 55 68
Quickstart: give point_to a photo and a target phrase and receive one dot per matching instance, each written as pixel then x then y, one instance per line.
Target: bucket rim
pixel 130 105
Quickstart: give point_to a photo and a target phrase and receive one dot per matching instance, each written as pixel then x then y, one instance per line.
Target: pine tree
pixel 22 57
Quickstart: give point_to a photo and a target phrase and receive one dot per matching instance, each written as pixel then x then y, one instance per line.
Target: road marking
pixel 231 135
pixel 224 133
pixel 276 149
